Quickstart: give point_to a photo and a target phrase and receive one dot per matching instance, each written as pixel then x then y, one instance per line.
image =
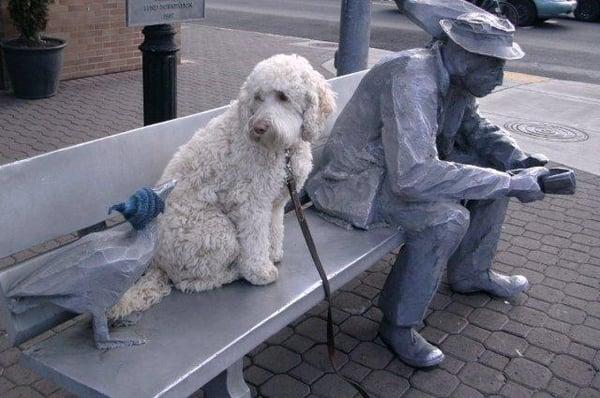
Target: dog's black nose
pixel 260 127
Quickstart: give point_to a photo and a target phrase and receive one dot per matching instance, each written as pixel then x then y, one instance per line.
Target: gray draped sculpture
pixel 410 149
pixel 91 275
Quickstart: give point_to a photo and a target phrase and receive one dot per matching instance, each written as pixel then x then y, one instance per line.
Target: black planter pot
pixel 34 71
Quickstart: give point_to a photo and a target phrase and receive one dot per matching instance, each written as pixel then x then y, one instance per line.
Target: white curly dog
pixel 224 220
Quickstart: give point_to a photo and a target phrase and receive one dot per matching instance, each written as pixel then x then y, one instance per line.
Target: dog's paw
pixel 261 275
pixel 276 256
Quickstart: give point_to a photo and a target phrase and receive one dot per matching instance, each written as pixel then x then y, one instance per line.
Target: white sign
pixel 157 12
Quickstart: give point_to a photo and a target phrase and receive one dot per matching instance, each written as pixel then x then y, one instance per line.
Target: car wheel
pixel 587 10
pixel 509 12
pixel 526 11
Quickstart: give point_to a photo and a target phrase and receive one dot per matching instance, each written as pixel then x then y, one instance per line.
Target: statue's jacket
pixel 408 135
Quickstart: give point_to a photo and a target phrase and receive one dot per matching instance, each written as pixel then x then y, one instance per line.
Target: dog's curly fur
pixel 224 220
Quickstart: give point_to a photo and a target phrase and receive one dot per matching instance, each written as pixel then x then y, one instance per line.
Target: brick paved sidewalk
pixel 215 62
pixel 545 343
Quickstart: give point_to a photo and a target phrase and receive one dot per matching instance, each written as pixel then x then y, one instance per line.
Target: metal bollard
pixel 159 59
pixel 355 31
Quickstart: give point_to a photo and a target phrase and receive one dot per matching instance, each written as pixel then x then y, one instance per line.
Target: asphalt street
pixel 560 48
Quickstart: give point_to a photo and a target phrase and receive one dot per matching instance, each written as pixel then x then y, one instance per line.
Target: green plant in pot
pixel 33 61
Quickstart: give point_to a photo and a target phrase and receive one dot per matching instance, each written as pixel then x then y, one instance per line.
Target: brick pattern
pixel 94 107
pixel 541 344
pixel 545 343
pixel 98 40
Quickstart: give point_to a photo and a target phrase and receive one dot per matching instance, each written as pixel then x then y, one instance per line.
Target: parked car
pixel 531 11
pixel 587 10
pixel 528 12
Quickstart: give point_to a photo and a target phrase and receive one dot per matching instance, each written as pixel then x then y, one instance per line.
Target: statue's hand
pixel 531 160
pixel 524 184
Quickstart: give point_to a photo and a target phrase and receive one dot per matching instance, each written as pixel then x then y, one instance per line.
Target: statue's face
pixel 475 73
pixel 483 74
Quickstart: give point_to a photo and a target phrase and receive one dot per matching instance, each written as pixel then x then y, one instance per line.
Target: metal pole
pixel 355 31
pixel 159 59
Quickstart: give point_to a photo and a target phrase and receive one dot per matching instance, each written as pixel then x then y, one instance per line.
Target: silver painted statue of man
pixel 410 149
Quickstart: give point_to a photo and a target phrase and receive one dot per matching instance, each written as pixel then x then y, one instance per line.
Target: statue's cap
pixel 483 33
pixel 468 25
pixel 428 13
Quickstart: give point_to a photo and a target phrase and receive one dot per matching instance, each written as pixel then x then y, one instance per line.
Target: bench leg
pixel 229 384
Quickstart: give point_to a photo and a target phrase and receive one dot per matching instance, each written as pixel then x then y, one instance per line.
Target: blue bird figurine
pixel 91 275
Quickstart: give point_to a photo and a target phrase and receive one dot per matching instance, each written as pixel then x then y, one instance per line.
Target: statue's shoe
pixel 496 284
pixel 410 346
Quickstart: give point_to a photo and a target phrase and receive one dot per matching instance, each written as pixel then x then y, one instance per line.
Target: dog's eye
pixel 282 97
pixel 258 97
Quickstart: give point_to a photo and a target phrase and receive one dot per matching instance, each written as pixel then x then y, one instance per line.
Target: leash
pixel 291 184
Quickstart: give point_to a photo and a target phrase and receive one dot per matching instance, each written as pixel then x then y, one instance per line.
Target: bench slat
pixel 192 338
pixel 63 191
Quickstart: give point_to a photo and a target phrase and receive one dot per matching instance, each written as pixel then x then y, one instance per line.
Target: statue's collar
pixel 443 75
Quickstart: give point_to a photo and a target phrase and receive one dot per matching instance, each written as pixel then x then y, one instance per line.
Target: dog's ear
pixel 321 104
pixel 244 100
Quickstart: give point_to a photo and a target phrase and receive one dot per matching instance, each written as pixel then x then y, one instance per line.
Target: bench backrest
pixel 61 192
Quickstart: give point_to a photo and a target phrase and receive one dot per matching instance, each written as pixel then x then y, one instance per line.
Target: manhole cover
pixel 547 131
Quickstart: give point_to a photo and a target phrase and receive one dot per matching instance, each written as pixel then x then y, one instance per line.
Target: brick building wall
pixel 98 42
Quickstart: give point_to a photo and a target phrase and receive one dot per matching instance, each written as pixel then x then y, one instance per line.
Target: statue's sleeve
pixel 488 140
pixel 414 171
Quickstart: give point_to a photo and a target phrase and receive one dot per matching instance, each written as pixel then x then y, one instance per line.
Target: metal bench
pixel 194 341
